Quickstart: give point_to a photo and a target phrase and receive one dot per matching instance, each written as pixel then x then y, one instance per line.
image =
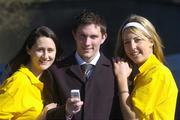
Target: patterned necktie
pixel 87 70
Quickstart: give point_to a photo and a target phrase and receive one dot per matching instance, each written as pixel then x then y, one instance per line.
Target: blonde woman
pixel 154 91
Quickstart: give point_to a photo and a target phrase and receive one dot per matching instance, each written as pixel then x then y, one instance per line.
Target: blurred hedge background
pixel 15 24
pixel 19 17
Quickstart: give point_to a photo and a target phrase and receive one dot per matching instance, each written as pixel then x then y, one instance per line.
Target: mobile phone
pixel 75 93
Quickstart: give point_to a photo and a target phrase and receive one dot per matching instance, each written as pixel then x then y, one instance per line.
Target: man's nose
pixel 87 41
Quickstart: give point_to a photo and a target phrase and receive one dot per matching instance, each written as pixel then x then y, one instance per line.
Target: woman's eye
pixel 39 49
pixel 50 50
pixel 138 39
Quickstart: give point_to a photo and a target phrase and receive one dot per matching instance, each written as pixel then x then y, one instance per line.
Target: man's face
pixel 88 41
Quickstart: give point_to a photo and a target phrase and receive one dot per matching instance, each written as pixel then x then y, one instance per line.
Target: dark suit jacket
pixel 99 94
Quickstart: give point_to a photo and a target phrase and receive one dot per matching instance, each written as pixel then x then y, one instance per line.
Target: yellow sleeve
pixel 5 104
pixel 11 94
pixel 150 89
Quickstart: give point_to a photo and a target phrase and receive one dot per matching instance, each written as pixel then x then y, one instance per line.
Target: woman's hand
pixel 50 106
pixel 46 108
pixel 122 69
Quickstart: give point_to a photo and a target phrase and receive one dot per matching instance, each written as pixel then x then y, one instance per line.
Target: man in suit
pixel 99 98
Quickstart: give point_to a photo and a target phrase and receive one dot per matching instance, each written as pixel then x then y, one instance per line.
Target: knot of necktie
pixel 87 70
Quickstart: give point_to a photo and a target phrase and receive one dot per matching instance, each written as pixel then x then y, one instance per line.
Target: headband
pixel 136 25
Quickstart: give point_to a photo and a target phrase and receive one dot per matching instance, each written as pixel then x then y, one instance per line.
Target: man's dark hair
pixel 87 17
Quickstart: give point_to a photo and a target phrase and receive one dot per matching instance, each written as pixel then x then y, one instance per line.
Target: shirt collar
pixel 34 80
pixel 81 61
pixel 150 62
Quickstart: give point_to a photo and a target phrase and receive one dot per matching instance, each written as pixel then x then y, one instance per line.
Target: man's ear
pixel 73 33
pixel 104 37
pixel 28 50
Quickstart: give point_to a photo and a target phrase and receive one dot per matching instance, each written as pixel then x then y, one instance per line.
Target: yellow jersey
pixel 155 92
pixel 20 96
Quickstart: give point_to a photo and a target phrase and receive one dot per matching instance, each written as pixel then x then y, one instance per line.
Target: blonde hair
pixel 152 35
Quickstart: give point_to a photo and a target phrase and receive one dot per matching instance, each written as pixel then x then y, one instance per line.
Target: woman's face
pixel 138 49
pixel 42 54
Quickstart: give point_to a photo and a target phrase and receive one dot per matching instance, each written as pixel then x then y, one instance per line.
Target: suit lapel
pixel 76 70
pixel 102 62
pixel 72 67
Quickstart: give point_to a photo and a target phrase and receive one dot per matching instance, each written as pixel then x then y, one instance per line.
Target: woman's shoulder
pixel 17 79
pixel 161 68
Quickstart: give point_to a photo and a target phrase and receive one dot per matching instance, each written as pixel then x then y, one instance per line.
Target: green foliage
pixel 13 18
pixel 14 13
pixel 8 2
pixel 15 21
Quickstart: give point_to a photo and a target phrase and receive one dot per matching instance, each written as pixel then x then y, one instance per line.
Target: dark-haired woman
pixel 21 92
